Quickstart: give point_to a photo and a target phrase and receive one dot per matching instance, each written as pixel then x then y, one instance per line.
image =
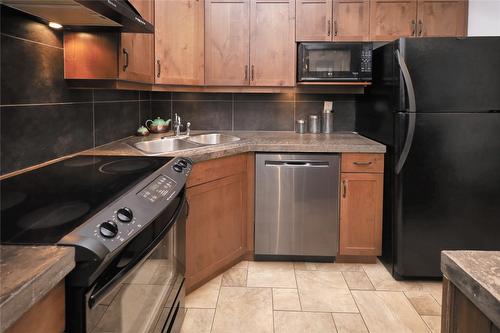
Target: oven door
pixel 142 288
pixel 329 61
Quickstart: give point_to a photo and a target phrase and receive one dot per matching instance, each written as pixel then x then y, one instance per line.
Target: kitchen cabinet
pixel 332 20
pixel 441 18
pixel 250 43
pixel 390 19
pixel 361 205
pixel 219 229
pixel 45 316
pixel 111 55
pixel 179 42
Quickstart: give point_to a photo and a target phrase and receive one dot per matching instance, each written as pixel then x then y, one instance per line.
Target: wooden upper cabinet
pixel 351 20
pixel 391 19
pixel 227 42
pixel 314 20
pixel 441 18
pixel 272 43
pixel 136 50
pixel 179 42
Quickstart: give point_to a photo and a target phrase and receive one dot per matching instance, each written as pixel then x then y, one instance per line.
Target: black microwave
pixel 334 62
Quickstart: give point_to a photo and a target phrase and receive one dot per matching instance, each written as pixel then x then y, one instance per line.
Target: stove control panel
pixel 161 187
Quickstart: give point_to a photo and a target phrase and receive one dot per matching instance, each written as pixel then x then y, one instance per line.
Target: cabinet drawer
pixel 211 170
pixel 362 163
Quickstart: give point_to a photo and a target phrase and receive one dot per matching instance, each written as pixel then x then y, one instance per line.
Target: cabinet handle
pixel 413 27
pixel 335 31
pixel 158 73
pixel 329 27
pixel 344 187
pixel 125 54
pixel 246 72
pixel 420 27
pixel 253 73
pixel 362 163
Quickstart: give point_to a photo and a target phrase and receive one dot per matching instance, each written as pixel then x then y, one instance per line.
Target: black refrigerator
pixel 435 104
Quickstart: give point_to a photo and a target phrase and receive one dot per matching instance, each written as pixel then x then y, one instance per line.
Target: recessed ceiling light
pixel 55 25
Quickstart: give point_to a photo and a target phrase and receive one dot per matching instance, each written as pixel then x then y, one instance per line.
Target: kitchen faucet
pixel 178 125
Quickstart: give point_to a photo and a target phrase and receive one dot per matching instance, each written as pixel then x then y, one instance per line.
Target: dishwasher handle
pixel 299 164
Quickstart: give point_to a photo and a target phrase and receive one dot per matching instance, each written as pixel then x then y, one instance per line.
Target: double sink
pixel 173 144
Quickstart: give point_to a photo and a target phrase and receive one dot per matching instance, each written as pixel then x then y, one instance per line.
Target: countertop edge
pixel 35 289
pixel 475 291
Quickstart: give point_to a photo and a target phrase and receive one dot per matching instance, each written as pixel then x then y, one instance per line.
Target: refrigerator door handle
pixel 412 108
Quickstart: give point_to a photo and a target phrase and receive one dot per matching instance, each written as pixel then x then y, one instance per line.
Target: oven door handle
pixel 100 293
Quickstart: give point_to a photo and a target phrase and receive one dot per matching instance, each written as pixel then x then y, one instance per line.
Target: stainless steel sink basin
pixel 164 145
pixel 213 138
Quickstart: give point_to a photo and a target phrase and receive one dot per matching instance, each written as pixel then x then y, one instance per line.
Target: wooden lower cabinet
pixel 220 222
pixel 361 197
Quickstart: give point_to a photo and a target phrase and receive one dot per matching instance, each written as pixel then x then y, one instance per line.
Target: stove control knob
pixel 108 229
pixel 124 215
pixel 183 163
pixel 177 168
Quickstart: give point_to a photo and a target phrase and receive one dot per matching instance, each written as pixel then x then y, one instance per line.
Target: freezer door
pixel 297 205
pixel 447 196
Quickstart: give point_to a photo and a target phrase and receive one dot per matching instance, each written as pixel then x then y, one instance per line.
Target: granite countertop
pixel 257 141
pixel 27 273
pixel 477 275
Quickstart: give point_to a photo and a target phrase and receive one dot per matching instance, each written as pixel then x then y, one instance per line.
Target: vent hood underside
pixel 118 14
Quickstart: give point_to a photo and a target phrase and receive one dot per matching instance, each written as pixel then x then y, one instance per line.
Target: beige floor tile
pixel 234 277
pixel 328 267
pixel 357 280
pixel 241 310
pixel 434 323
pixel 242 264
pixel 383 280
pixel 349 323
pixel 424 303
pixel 301 322
pixel 324 291
pixel 286 299
pixel 387 311
pixel 271 274
pixel 198 321
pixel 435 288
pixel 205 296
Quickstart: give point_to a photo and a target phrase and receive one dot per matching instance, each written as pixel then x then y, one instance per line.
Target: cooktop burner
pixel 43 205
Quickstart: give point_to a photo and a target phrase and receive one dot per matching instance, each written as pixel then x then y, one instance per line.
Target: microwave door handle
pixel 411 112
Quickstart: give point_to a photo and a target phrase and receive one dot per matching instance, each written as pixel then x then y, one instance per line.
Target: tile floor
pixel 285 297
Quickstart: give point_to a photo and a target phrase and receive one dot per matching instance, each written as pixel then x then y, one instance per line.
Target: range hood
pixel 119 14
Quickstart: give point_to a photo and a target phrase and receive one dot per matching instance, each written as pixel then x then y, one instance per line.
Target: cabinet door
pixel 351 20
pixel 227 42
pixel 438 18
pixel 179 42
pixel 272 43
pixel 391 19
pixel 216 227
pixel 314 20
pixel 361 214
pixel 137 50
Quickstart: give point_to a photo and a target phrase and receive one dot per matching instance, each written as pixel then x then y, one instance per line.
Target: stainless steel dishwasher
pixel 297 206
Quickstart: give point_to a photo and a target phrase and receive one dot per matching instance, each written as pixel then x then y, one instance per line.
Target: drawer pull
pixel 362 163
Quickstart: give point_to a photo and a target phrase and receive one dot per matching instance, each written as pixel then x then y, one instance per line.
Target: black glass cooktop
pixel 43 205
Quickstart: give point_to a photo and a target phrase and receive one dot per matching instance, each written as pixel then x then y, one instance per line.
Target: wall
pixel 41 119
pixel 484 18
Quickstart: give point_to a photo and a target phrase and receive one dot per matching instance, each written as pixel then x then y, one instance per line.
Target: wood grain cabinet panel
pixel 179 42
pixel 313 20
pixel 227 42
pixel 272 43
pixel 361 214
pixel 351 20
pixel 391 19
pixel 441 18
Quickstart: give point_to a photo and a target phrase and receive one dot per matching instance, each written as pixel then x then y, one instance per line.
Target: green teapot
pixel 158 125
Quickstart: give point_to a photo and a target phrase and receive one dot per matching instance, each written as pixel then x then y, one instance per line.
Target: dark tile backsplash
pixel 42 119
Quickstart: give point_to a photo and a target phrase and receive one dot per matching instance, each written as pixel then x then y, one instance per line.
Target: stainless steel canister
pixel 314 124
pixel 301 126
pixel 327 125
